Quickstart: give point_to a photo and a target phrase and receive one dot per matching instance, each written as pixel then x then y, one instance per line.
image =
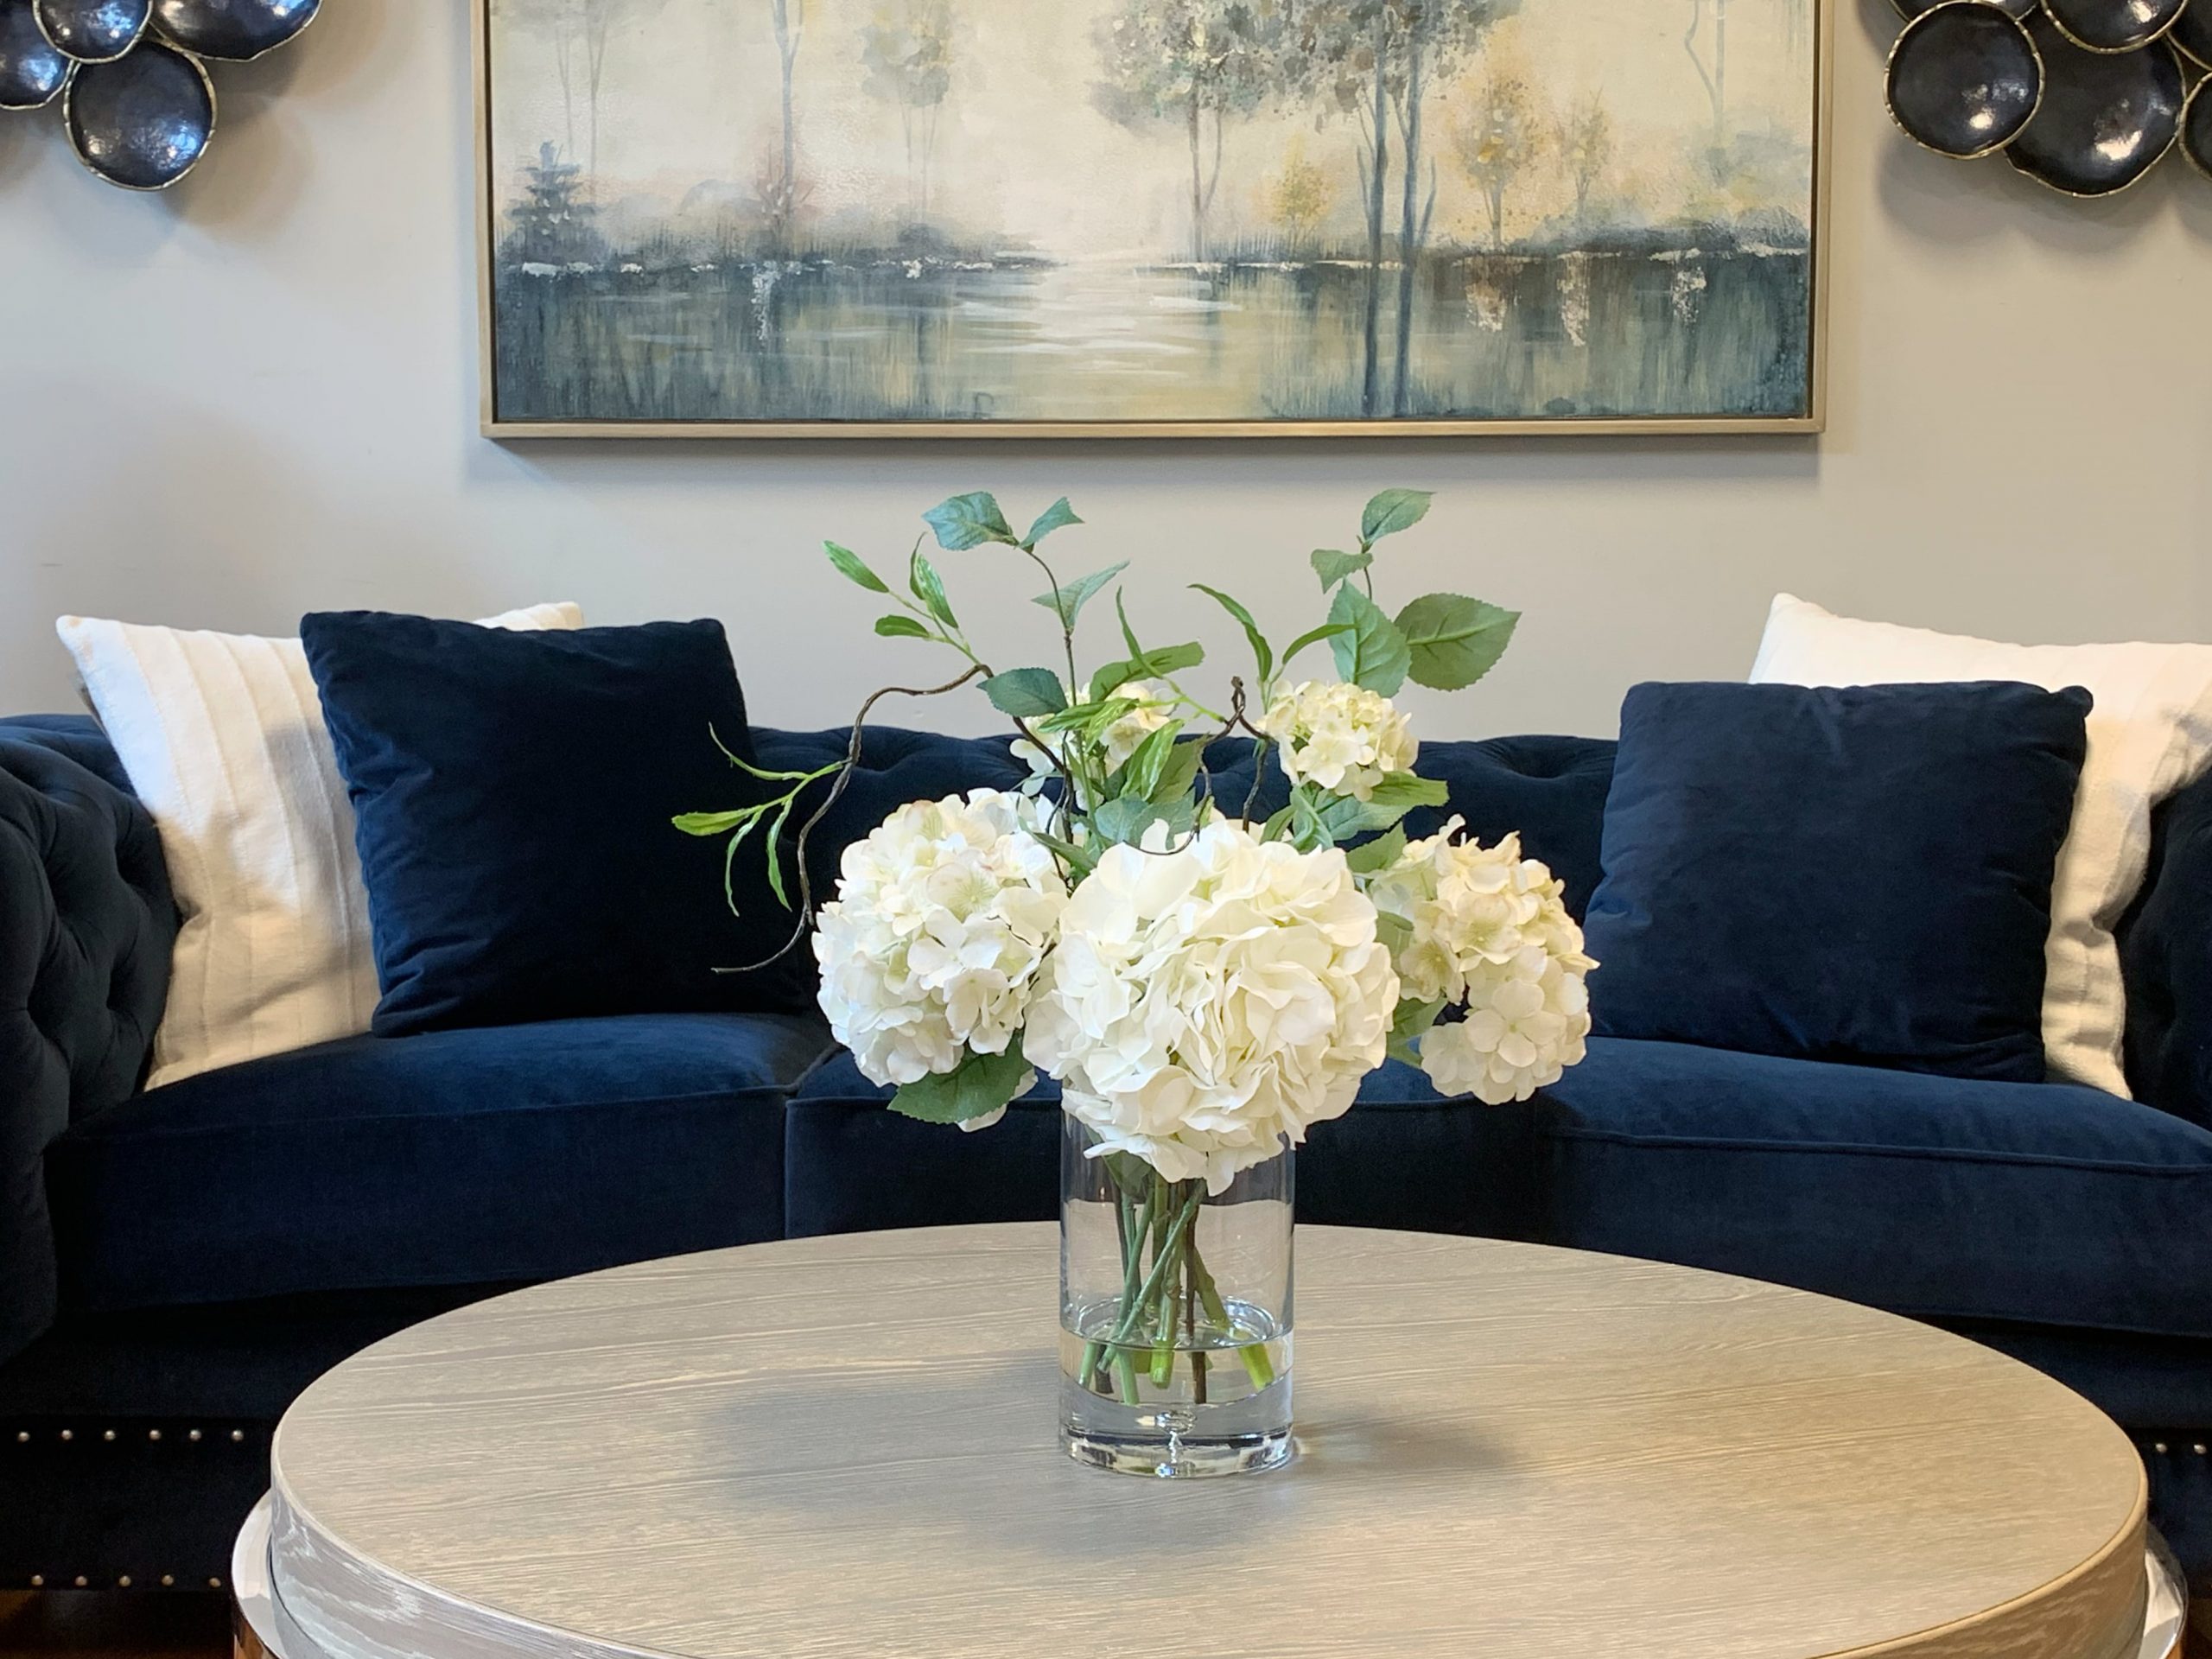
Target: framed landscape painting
pixel 1151 218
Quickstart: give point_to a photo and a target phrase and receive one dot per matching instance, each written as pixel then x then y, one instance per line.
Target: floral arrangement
pixel 1205 985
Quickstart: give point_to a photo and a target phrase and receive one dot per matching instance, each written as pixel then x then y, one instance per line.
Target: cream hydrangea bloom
pixel 1344 738
pixel 942 918
pixel 1488 929
pixel 1206 1003
pixel 1156 708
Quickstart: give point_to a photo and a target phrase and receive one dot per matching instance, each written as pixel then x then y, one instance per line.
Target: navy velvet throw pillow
pixel 1839 874
pixel 512 793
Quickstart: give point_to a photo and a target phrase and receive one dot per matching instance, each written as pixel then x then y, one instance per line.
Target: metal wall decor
pixel 2086 96
pixel 130 76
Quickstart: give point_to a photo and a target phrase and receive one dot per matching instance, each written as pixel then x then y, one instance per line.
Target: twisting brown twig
pixel 837 790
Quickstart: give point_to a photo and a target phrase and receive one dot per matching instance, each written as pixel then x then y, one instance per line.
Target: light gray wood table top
pixel 848 1446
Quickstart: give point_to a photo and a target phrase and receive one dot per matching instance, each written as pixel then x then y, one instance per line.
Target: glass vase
pixel 1175 1316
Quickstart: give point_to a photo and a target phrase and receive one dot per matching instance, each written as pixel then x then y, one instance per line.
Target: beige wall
pixel 256 396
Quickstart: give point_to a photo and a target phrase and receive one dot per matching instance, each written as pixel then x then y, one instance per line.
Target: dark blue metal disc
pixel 92 31
pixel 2197 129
pixel 2192 31
pixel 1964 79
pixel 2112 25
pixel 232 29
pixel 2106 118
pixel 142 123
pixel 32 70
pixel 1910 8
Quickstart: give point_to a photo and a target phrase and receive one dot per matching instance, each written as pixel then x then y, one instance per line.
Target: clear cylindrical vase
pixel 1175 1315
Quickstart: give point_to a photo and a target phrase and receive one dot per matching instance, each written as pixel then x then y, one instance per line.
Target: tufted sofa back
pixel 86 925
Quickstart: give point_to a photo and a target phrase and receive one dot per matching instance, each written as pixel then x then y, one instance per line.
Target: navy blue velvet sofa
pixel 175 1267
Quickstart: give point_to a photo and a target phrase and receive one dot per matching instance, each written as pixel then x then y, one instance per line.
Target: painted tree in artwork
pixel 779 185
pixel 1195 63
pixel 1299 198
pixel 580 33
pixel 1585 147
pixel 1434 36
pixel 1378 61
pixel 907 47
pixel 1498 141
pixel 1712 66
pixel 550 225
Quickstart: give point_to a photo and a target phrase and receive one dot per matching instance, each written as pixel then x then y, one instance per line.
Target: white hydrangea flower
pixel 1488 929
pixel 943 917
pixel 1342 737
pixel 1120 740
pixel 1205 1004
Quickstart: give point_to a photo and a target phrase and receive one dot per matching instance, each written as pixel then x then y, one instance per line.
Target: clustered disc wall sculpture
pixel 130 75
pixel 2086 96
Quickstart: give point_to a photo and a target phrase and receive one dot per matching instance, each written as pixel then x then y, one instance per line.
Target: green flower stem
pixel 1148 1292
pixel 1257 1365
pixel 1125 1370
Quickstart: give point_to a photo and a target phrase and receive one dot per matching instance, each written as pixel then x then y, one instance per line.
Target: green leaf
pixel 1379 854
pixel 776 851
pixel 854 568
pixel 1122 821
pixel 1025 693
pixel 1392 511
pixel 1277 821
pixel 1128 633
pixel 1333 567
pixel 928 587
pixel 1180 770
pixel 979 1085
pixel 1262 650
pixel 969 521
pixel 1408 1025
pixel 1140 776
pixel 1081 860
pixel 1089 716
pixel 1059 516
pixel 1125 820
pixel 1407 790
pixel 1067 600
pixel 1454 640
pixel 1374 653
pixel 1314 636
pixel 900 625
pixel 1168 660
pixel 712 823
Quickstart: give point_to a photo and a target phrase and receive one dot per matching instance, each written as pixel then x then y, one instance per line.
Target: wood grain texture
pixel 848 1446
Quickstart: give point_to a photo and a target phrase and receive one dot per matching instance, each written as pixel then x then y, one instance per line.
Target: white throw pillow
pixel 2150 734
pixel 223 738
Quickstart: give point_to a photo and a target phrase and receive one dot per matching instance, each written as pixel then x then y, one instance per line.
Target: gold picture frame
pixel 1810 418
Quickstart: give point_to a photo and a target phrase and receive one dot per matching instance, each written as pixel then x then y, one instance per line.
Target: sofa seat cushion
pixel 2050 1204
pixel 460 1157
pixel 1404 1157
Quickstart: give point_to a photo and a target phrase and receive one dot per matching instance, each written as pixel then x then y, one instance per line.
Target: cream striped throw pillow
pixel 222 735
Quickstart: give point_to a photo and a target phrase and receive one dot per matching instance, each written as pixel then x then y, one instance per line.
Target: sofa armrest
pixel 86 924
pixel 2165 956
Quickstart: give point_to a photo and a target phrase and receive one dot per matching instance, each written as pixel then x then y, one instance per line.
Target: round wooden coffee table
pixel 847 1447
